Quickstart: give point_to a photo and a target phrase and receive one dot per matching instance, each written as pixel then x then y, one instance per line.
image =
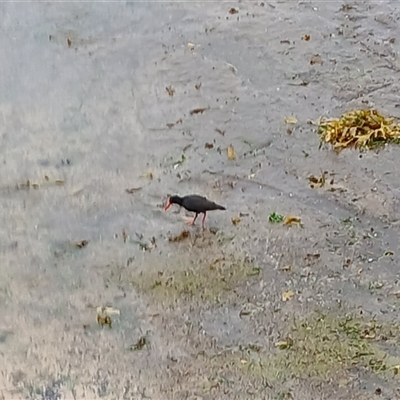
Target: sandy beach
pixel 106 110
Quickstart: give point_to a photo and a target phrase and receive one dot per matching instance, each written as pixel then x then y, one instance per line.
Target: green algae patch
pixel 326 346
pixel 210 280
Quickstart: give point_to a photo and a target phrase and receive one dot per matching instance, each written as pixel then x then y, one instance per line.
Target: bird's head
pixel 173 200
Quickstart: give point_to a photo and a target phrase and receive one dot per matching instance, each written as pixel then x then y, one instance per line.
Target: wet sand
pixel 99 98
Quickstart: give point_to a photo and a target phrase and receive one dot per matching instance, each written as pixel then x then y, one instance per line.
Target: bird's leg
pixel 202 221
pixel 194 219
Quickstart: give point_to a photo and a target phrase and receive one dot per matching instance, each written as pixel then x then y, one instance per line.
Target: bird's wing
pixel 197 196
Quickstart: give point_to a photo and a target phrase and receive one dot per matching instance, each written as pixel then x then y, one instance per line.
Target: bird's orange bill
pixel 167 206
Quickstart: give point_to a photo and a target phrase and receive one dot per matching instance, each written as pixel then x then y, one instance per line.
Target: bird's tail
pixel 218 207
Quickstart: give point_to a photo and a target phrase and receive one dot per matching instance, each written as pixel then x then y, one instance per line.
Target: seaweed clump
pixel 360 129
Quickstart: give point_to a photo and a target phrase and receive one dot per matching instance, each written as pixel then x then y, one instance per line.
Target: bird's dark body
pixel 195 203
pixel 198 204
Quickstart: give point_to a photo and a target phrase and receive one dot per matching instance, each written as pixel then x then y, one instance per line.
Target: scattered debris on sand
pixel 103 315
pixel 142 342
pixel 179 238
pixel 81 244
pixel 231 153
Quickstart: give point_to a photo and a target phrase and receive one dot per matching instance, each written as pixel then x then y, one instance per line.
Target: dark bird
pixel 196 204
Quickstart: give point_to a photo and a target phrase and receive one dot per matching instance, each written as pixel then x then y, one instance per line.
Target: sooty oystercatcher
pixel 195 203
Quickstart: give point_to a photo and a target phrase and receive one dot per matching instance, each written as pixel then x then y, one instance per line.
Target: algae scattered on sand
pixel 213 280
pixel 327 346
